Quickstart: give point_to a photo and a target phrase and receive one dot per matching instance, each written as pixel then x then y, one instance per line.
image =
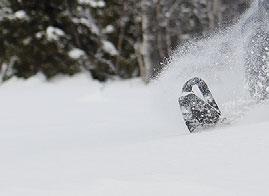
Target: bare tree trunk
pixel 122 27
pixel 160 34
pixel 214 13
pixel 146 48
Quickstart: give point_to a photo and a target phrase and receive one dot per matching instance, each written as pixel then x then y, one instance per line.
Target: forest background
pixel 107 38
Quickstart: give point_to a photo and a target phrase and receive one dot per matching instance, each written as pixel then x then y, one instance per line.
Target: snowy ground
pixel 79 137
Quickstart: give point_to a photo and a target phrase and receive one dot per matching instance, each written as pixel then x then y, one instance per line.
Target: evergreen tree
pixel 122 27
pixel 52 37
pixel 126 38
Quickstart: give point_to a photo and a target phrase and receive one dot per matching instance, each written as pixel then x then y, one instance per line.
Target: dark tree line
pixel 124 38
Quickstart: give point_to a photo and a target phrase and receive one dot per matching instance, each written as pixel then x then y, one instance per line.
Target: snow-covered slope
pixel 78 137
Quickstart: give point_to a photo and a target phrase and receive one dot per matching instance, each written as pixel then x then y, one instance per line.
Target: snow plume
pixel 219 59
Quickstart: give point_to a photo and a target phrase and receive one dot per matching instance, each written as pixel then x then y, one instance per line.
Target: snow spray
pixel 219 59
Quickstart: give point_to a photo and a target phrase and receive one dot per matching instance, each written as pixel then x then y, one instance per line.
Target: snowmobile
pixel 198 112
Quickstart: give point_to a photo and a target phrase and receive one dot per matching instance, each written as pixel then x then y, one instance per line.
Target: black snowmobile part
pixel 198 112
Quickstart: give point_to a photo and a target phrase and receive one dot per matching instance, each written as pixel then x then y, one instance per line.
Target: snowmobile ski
pixel 198 112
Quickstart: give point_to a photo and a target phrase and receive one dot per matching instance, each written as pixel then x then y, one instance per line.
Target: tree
pixel 54 37
pixel 126 38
